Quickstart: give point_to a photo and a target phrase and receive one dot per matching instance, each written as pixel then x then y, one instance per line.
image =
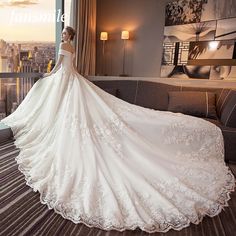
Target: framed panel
pixel 183 12
pixel 168 53
pixel 226 29
pixel 186 72
pixel 175 53
pixel 223 72
pixel 218 9
pixel 190 32
pixel 203 50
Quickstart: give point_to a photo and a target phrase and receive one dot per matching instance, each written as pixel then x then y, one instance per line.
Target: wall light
pixel 213 45
pixel 125 34
pixel 124 37
pixel 103 38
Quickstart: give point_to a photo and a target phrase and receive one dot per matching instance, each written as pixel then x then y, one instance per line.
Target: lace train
pixel 103 162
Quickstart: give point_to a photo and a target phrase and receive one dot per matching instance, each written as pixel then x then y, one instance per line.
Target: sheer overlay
pixel 101 161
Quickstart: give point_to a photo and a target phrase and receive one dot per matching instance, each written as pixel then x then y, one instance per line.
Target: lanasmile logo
pixel 31 11
pixel 27 16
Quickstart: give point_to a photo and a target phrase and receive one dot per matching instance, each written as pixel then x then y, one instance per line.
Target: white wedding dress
pixel 101 161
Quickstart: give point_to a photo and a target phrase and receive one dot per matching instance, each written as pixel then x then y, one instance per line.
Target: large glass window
pixel 27 45
pixel 30 32
pixel 27 35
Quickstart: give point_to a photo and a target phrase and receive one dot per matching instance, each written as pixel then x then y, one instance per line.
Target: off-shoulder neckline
pixel 66 51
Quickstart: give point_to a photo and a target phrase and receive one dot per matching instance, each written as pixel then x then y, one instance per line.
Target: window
pixel 30 34
pixel 27 36
pixel 27 45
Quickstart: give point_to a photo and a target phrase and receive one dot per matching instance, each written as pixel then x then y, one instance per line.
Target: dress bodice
pixel 67 62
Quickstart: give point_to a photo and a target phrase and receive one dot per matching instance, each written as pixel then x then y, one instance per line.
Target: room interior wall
pixel 145 21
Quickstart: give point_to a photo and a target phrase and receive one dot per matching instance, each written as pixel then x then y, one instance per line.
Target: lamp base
pixel 123 75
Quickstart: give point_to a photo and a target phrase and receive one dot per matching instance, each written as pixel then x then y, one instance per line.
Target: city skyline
pixel 27 44
pixel 25 57
pixel 26 41
pixel 27 20
pixel 10 55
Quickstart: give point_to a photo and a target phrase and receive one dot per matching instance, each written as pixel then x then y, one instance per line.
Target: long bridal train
pixel 101 161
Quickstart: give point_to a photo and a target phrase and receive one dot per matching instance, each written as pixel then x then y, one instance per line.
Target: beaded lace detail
pixel 98 160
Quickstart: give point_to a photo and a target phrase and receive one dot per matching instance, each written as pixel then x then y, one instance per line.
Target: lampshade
pixel 103 36
pixel 125 34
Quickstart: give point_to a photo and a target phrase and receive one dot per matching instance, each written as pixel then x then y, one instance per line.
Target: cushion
pixel 228 109
pixel 201 104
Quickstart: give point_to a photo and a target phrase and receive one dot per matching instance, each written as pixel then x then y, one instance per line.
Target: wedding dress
pixel 101 161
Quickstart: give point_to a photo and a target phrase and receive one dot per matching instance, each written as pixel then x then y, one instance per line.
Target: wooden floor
pixel 23 214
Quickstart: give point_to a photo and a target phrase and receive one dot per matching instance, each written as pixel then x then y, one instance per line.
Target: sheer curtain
pixel 83 19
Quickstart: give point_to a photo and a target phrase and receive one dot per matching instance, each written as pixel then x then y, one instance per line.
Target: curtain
pixel 83 19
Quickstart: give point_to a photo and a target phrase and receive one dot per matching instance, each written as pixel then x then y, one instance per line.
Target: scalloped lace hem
pixel 222 201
